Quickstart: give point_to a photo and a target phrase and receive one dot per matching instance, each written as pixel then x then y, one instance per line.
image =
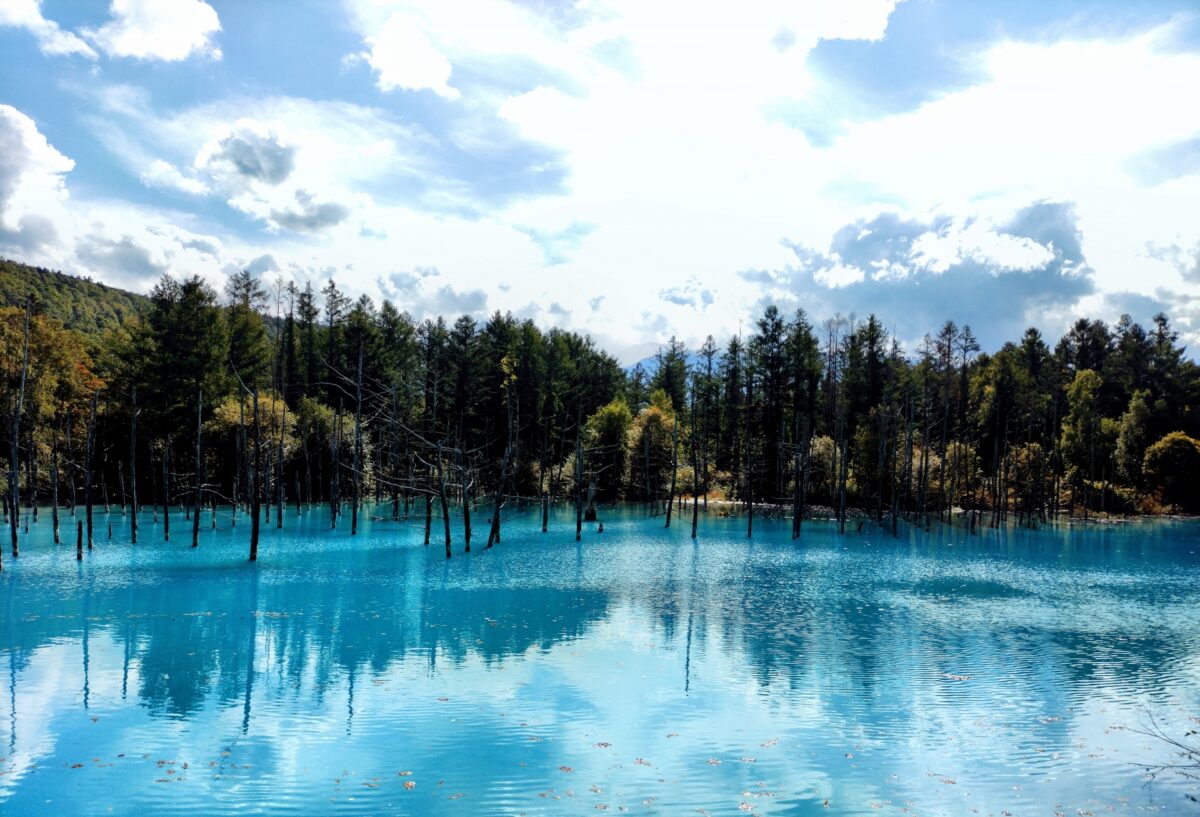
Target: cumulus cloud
pixel 169 30
pixel 166 176
pixel 250 152
pixel 121 261
pixel 915 273
pixel 32 185
pixel 202 246
pixel 1187 262
pixel 403 57
pixel 263 263
pixel 405 281
pixel 52 40
pixel 447 300
pixel 309 216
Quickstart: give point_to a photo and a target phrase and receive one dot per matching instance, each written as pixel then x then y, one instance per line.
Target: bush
pixel 1172 466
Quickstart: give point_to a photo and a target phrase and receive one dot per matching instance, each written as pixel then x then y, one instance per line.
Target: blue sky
pixel 629 169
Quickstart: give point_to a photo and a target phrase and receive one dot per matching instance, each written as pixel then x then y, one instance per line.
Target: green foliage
pixel 1080 426
pixel 608 447
pixel 1172 465
pixel 1131 438
pixel 77 303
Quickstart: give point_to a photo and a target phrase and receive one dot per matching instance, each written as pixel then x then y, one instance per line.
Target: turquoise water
pixel 637 671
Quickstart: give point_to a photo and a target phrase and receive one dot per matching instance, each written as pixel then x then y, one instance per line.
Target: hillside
pixel 80 304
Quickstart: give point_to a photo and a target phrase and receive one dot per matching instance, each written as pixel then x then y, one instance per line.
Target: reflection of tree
pixel 188 634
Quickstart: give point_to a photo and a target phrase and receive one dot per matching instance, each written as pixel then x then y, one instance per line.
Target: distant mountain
pixel 82 305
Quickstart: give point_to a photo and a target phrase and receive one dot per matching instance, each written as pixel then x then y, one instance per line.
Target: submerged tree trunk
pixel 89 454
pixel 166 490
pixel 335 468
pixel 14 435
pixel 498 499
pixel 441 485
pixel 54 483
pixel 198 495
pixel 357 446
pixel 133 464
pixel 578 485
pixel 280 481
pixel 749 476
pixel 674 469
pixel 255 497
pixel 695 469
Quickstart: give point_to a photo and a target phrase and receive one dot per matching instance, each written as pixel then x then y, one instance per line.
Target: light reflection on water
pixel 940 673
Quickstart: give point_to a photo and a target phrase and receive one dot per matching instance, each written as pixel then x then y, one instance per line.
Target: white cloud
pixel 668 152
pixel 838 275
pixel 403 57
pixel 31 175
pixel 52 40
pixel 978 241
pixel 169 30
pixel 166 176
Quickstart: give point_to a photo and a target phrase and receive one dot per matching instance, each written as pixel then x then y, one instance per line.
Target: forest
pixel 262 399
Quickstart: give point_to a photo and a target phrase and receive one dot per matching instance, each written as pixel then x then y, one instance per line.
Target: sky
pixel 631 170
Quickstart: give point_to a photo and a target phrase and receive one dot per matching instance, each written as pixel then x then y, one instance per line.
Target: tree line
pixel 262 399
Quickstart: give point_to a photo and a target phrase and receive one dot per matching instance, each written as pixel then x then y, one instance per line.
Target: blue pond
pixel 636 672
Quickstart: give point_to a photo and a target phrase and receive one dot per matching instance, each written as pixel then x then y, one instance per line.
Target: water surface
pixel 638 671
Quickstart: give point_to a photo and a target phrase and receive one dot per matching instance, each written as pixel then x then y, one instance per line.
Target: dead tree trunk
pixel 255 497
pixel 335 468
pixel 441 486
pixel 498 499
pixel 133 500
pixel 280 481
pixel 166 490
pixel 749 465
pixel 198 495
pixel 14 436
pixel 695 469
pixel 54 483
pixel 89 455
pixel 674 469
pixel 357 446
pixel 578 485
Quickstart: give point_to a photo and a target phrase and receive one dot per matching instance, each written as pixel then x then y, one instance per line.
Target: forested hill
pixel 82 305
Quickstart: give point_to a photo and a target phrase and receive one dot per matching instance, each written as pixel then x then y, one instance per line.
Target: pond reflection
pixel 938 672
